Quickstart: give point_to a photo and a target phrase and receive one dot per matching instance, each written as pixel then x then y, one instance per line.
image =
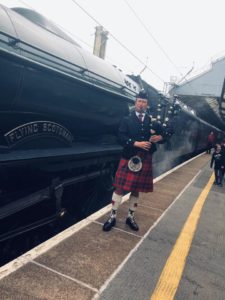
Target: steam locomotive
pixel 60 108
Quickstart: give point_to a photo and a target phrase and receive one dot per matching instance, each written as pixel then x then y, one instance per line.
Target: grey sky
pixel 179 33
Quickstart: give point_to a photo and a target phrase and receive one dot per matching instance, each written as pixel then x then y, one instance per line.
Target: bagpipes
pixel 165 112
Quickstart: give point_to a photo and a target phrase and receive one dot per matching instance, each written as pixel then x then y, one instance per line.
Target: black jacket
pixel 218 160
pixel 131 130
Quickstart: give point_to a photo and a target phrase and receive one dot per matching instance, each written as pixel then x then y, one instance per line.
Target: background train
pixel 60 107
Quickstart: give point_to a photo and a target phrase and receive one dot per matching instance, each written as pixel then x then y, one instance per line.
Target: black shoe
pixel 132 224
pixel 109 224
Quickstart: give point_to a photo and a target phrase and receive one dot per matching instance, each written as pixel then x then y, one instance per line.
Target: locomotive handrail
pixel 125 97
pixel 60 59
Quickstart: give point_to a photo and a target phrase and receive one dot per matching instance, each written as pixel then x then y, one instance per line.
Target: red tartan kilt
pixel 141 181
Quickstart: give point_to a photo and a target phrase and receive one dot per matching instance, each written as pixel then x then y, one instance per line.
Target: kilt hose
pixel 141 181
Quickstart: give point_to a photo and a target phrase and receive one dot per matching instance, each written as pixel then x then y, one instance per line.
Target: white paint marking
pixel 40 249
pixel 104 286
pixel 149 206
pixel 66 276
pixel 177 167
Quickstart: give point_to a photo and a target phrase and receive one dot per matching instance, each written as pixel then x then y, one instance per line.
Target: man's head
pixel 141 102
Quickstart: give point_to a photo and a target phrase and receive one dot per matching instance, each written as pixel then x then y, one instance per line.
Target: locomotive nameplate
pixel 37 129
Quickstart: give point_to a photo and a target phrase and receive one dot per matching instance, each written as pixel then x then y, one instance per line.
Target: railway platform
pixel 178 253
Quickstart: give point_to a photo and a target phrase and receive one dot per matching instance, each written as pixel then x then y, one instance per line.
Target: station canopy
pixel 205 94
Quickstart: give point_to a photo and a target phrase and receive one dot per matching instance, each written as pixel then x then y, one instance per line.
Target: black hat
pixel 142 94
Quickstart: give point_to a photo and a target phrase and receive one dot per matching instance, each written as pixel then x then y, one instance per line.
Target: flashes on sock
pixel 116 200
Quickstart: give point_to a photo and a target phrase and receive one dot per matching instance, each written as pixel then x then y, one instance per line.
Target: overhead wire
pixel 118 41
pixel 97 22
pixel 152 36
pixel 160 47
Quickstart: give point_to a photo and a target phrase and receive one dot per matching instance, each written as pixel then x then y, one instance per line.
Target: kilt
pixel 129 181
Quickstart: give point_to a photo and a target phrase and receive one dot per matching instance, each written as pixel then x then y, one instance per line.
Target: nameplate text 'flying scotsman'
pixel 38 128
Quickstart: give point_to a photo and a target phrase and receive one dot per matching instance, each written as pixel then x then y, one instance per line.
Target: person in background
pixel 223 153
pixel 210 142
pixel 138 135
pixel 218 160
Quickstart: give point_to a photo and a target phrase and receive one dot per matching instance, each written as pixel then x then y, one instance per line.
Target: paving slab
pixel 33 282
pixel 91 255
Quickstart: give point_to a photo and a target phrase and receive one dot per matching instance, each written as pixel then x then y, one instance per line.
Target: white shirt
pixel 143 115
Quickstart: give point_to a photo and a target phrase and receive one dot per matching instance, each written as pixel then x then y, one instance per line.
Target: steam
pixel 186 140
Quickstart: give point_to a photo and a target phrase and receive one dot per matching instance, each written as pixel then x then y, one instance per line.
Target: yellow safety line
pixel 173 269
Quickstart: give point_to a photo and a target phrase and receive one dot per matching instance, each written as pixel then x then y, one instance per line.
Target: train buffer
pixel 178 253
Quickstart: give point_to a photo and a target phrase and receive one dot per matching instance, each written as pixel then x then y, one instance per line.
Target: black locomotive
pixel 59 112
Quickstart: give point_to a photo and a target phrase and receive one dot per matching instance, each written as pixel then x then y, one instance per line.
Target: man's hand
pixel 143 145
pixel 155 138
